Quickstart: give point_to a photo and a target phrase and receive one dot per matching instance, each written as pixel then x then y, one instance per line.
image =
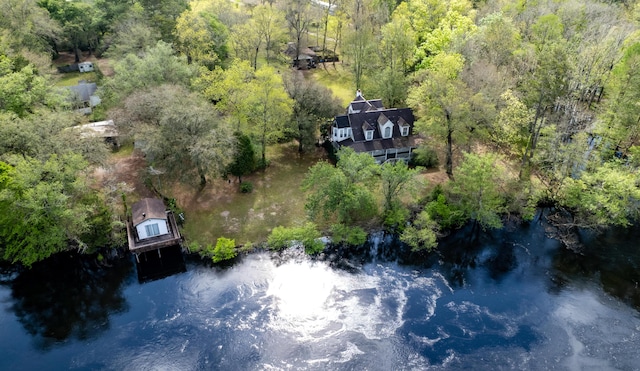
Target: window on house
pixel 387 132
pixel 152 230
pixel 369 134
pixel 405 131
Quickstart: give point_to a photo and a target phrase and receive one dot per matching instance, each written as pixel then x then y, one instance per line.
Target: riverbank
pixel 506 297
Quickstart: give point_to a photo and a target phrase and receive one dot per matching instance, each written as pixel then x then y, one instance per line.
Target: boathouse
pixel 151 227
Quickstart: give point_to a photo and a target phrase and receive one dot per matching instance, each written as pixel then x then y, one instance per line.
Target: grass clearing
pixel 220 210
pixel 337 79
pixel 72 78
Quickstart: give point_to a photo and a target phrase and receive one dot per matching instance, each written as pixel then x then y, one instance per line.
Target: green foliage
pixel 132 34
pixel 349 235
pixel 201 37
pixel 445 214
pixel 477 189
pixel 157 65
pixel 225 250
pixel 424 156
pixel 313 105
pixel 184 135
pixel 244 161
pixel 421 234
pixel 267 106
pixel 396 179
pixel 395 217
pixel 342 193
pixel 607 195
pixel 246 187
pixel 45 208
pixel 620 123
pixel 22 89
pixel 307 235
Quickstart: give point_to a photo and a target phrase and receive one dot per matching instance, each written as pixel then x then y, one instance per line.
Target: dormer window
pixel 404 127
pixel 386 126
pixel 368 135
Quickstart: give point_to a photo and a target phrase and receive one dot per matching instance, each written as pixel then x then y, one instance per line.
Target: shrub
pixel 446 215
pixel 308 235
pixel 225 249
pixel 353 236
pixel 424 156
pixel 396 217
pixel 246 187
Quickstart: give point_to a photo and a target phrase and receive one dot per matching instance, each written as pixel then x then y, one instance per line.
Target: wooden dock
pixel 137 246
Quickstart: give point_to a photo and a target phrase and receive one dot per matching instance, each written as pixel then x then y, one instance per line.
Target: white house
pixel 149 217
pixel 384 133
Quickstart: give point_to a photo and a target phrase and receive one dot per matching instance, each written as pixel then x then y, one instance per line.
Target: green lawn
pixel 336 79
pixel 72 78
pixel 276 200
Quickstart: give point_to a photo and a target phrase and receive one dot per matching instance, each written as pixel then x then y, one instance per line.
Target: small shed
pixel 151 227
pixel 150 218
pixel 85 66
pixel 100 129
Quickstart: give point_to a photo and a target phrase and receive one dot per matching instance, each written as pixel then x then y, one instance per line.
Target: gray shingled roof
pixel 148 208
pixel 83 91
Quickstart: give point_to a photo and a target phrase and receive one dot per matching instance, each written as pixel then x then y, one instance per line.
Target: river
pixel 509 299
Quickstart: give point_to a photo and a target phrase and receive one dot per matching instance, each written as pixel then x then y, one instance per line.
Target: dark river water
pixel 511 299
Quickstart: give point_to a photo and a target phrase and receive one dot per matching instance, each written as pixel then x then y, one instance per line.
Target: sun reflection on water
pixel 302 296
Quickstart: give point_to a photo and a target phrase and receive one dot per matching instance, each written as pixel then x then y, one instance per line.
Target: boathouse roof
pixel 148 208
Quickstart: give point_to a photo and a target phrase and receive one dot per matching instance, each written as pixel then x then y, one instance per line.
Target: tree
pixel 79 21
pixel 359 41
pixel 27 25
pixel 244 161
pixel 443 103
pixel 398 43
pixel 225 249
pixel 201 37
pixel 47 133
pixel 477 189
pixel 158 65
pixel 344 193
pixel 454 27
pixel 395 179
pixel 131 34
pixel 621 122
pixel 312 105
pixel 269 24
pixel 510 127
pixel 548 80
pixel 421 234
pixel 42 211
pixel 269 105
pixel 229 90
pixel 22 89
pixel 298 17
pixel 185 136
pixel 162 14
pixel 606 195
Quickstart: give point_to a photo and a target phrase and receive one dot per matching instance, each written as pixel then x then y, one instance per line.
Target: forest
pixel 524 105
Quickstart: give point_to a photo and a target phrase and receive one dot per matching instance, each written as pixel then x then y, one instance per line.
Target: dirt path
pixel 127 173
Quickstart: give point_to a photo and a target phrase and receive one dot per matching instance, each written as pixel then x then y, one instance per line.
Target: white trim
pixel 142 230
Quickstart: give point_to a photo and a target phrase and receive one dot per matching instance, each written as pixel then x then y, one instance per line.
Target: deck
pixel 138 246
